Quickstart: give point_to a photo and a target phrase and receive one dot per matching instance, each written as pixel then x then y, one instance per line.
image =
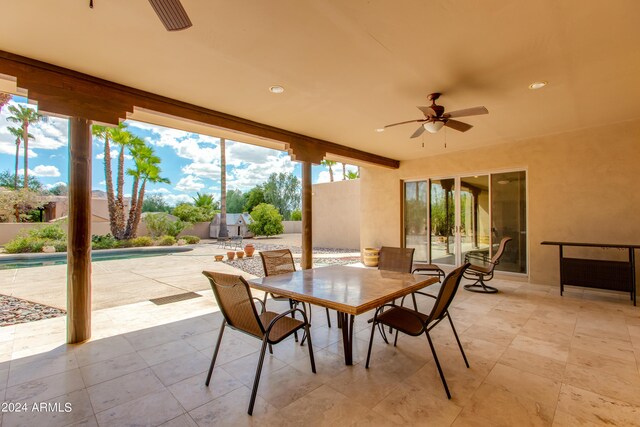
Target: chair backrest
pixel 276 262
pixel 396 259
pixel 496 257
pixel 234 299
pixel 447 292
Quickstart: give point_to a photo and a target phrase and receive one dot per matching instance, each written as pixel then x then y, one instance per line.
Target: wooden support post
pixel 307 244
pixel 79 243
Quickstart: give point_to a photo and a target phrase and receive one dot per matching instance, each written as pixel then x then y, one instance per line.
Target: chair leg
pixel 395 340
pixel 328 317
pixel 313 362
pixel 415 304
pixel 435 357
pixel 257 379
pixel 464 356
pixel 215 353
pixel 293 315
pixel 270 349
pixel 373 331
pixel 481 287
pixel 383 333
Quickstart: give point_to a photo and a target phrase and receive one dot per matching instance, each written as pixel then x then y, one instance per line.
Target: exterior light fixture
pixel 276 89
pixel 537 85
pixel 433 127
pixel 380 130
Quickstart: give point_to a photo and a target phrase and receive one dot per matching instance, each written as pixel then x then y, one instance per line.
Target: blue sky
pixel 191 161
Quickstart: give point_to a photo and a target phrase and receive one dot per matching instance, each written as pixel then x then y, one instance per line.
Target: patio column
pixel 307 244
pixel 79 243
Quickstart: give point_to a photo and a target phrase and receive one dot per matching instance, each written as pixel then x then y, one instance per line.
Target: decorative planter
pixel 370 257
pixel 231 255
pixel 240 254
pixel 218 257
pixel 249 249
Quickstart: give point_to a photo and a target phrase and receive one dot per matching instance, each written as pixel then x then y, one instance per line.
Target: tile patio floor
pixel 536 359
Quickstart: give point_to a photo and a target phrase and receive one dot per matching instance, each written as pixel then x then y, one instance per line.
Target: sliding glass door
pixel 448 218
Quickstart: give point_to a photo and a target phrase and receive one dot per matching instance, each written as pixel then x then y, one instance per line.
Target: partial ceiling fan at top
pixel 170 12
pixel 436 118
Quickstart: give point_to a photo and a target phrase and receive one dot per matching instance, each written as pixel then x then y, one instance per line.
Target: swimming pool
pixel 8 262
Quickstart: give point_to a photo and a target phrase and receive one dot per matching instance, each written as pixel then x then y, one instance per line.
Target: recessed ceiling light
pixel 276 89
pixel 537 85
pixel 380 130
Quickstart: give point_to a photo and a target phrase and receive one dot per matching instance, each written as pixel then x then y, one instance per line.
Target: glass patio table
pixel 348 290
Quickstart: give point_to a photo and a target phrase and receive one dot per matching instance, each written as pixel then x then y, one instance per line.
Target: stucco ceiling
pixel 352 66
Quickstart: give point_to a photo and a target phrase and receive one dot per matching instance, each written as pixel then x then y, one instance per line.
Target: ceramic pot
pixel 231 255
pixel 240 254
pixel 218 257
pixel 370 257
pixel 249 249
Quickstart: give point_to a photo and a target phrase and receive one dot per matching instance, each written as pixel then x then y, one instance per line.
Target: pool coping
pixel 97 253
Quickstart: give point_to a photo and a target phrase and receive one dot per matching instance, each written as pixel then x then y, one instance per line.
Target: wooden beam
pixel 307 241
pixel 79 242
pixel 70 93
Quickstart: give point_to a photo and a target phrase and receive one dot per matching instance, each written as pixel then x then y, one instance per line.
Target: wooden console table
pixel 593 273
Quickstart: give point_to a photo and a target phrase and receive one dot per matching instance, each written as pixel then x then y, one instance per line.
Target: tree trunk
pixel 15 178
pixel 108 177
pixel 25 138
pixel 138 212
pixel 129 231
pixel 222 231
pixel 330 173
pixel 120 225
pixel 344 172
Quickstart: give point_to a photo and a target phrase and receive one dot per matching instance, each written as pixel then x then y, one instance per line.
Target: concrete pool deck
pixel 129 281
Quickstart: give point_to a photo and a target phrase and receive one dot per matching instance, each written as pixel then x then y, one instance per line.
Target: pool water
pixel 40 260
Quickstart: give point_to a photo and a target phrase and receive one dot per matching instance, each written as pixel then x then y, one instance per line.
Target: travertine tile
pixel 231 410
pixel 588 407
pixel 112 368
pixel 123 389
pixel 192 392
pixel 46 388
pixel 152 409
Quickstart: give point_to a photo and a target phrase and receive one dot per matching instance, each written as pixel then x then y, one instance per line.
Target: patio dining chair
pixel 483 273
pixel 399 260
pixel 415 323
pixel 280 261
pixel 233 296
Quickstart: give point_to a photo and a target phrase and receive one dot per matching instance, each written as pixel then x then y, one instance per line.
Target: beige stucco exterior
pixel 336 214
pixel 581 187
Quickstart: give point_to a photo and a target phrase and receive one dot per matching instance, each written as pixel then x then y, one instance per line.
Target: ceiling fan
pixel 435 118
pixel 170 12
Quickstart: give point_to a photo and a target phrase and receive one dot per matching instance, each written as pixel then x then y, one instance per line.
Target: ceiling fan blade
pixel 418 132
pixel 427 111
pixel 456 125
pixel 475 111
pixel 172 14
pixel 403 123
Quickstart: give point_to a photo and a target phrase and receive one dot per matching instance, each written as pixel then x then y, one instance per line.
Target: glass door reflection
pixel 416 219
pixel 442 216
pixel 475 226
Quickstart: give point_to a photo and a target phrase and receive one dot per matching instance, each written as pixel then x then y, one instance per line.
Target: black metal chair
pixel 483 273
pixel 415 323
pixel 236 304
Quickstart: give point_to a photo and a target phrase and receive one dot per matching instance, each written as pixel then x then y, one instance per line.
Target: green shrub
pixel 103 242
pixel 141 241
pixel 49 232
pixel 189 213
pixel 161 224
pixel 192 240
pixel 296 215
pixel 24 244
pixel 60 246
pixel 266 221
pixel 123 243
pixel 166 241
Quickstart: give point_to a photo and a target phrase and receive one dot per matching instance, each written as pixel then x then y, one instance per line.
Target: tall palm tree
pixel 344 171
pixel 18 133
pixel 329 164
pixel 142 154
pixel 25 116
pixel 104 133
pixel 222 230
pixel 149 171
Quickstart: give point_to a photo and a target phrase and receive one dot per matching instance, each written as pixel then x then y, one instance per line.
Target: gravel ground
pixel 253 265
pixel 16 310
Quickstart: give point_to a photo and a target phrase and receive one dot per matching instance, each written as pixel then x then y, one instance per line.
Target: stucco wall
pixel 336 214
pixel 581 187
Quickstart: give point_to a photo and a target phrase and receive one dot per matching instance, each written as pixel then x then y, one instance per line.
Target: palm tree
pixel 18 133
pixel 104 132
pixel 222 231
pixel 352 175
pixel 204 201
pixel 344 171
pixel 329 164
pixel 25 116
pixel 146 169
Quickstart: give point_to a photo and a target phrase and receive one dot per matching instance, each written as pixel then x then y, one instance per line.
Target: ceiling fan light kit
pixel 435 118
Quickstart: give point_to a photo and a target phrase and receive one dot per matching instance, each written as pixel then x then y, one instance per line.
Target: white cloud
pixel 42 170
pixel 158 191
pixel 50 186
pixel 324 176
pixel 252 174
pixel 190 183
pixel 113 154
pixel 174 199
pixel 203 170
pixel 103 183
